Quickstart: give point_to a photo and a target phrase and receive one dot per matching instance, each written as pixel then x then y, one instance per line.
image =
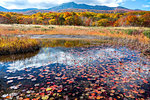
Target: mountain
pixel 66 7
pixel 30 12
pixel 3 9
pixel 16 10
pixel 22 10
pixel 72 5
pixel 96 11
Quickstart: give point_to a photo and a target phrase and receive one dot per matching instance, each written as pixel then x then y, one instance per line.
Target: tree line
pixel 134 18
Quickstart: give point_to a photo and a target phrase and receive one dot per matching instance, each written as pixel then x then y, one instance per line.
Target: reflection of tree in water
pixel 97 77
pixel 17 56
pixel 70 43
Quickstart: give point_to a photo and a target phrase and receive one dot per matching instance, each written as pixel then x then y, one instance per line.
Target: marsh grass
pixel 15 45
pixel 72 42
pixel 133 37
pixel 72 30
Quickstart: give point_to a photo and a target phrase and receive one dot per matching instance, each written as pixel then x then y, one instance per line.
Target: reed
pixel 15 45
pixel 134 37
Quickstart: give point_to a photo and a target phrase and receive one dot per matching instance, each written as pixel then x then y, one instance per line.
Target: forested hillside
pixel 136 18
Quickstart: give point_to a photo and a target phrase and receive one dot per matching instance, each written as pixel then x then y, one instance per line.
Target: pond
pixel 76 73
pixel 62 36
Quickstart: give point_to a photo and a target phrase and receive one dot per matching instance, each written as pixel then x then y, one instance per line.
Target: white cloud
pixel 48 1
pixel 19 4
pixel 146 6
pixel 111 3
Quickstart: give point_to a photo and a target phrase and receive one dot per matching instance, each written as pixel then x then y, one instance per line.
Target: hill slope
pixel 72 5
pixel 66 7
pixel 3 9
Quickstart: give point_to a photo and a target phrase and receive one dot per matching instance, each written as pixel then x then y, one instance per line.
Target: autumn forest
pixel 134 18
pixel 74 55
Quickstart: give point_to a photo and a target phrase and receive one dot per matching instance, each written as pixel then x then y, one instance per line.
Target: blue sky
pixel 42 4
pixel 137 4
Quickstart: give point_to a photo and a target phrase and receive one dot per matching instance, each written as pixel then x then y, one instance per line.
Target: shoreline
pixel 15 45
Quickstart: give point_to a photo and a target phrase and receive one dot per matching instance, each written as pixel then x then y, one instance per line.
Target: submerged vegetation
pixel 15 45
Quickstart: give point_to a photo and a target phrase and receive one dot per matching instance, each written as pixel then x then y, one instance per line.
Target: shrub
pixel 37 27
pixel 103 22
pixel 147 33
pixel 44 29
pixel 15 45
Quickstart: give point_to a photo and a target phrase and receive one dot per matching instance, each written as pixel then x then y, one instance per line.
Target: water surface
pixel 59 72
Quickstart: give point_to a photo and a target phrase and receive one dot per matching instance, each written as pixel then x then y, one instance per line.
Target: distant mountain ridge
pixel 72 5
pixel 16 10
pixel 3 9
pixel 23 10
pixel 95 11
pixel 62 7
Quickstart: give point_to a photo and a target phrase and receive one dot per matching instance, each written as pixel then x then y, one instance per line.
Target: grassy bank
pixel 140 33
pixel 15 45
pixel 137 38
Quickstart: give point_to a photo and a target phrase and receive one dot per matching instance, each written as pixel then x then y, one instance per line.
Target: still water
pixel 69 73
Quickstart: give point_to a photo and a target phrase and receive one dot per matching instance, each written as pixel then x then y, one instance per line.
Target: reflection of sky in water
pixel 125 61
pixel 74 57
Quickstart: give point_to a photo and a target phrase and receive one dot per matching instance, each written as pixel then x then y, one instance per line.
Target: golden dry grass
pixel 119 35
pixel 13 45
pixel 121 32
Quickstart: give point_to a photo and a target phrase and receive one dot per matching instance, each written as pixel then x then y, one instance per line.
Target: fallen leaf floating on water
pixel 102 77
pixel 10 81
